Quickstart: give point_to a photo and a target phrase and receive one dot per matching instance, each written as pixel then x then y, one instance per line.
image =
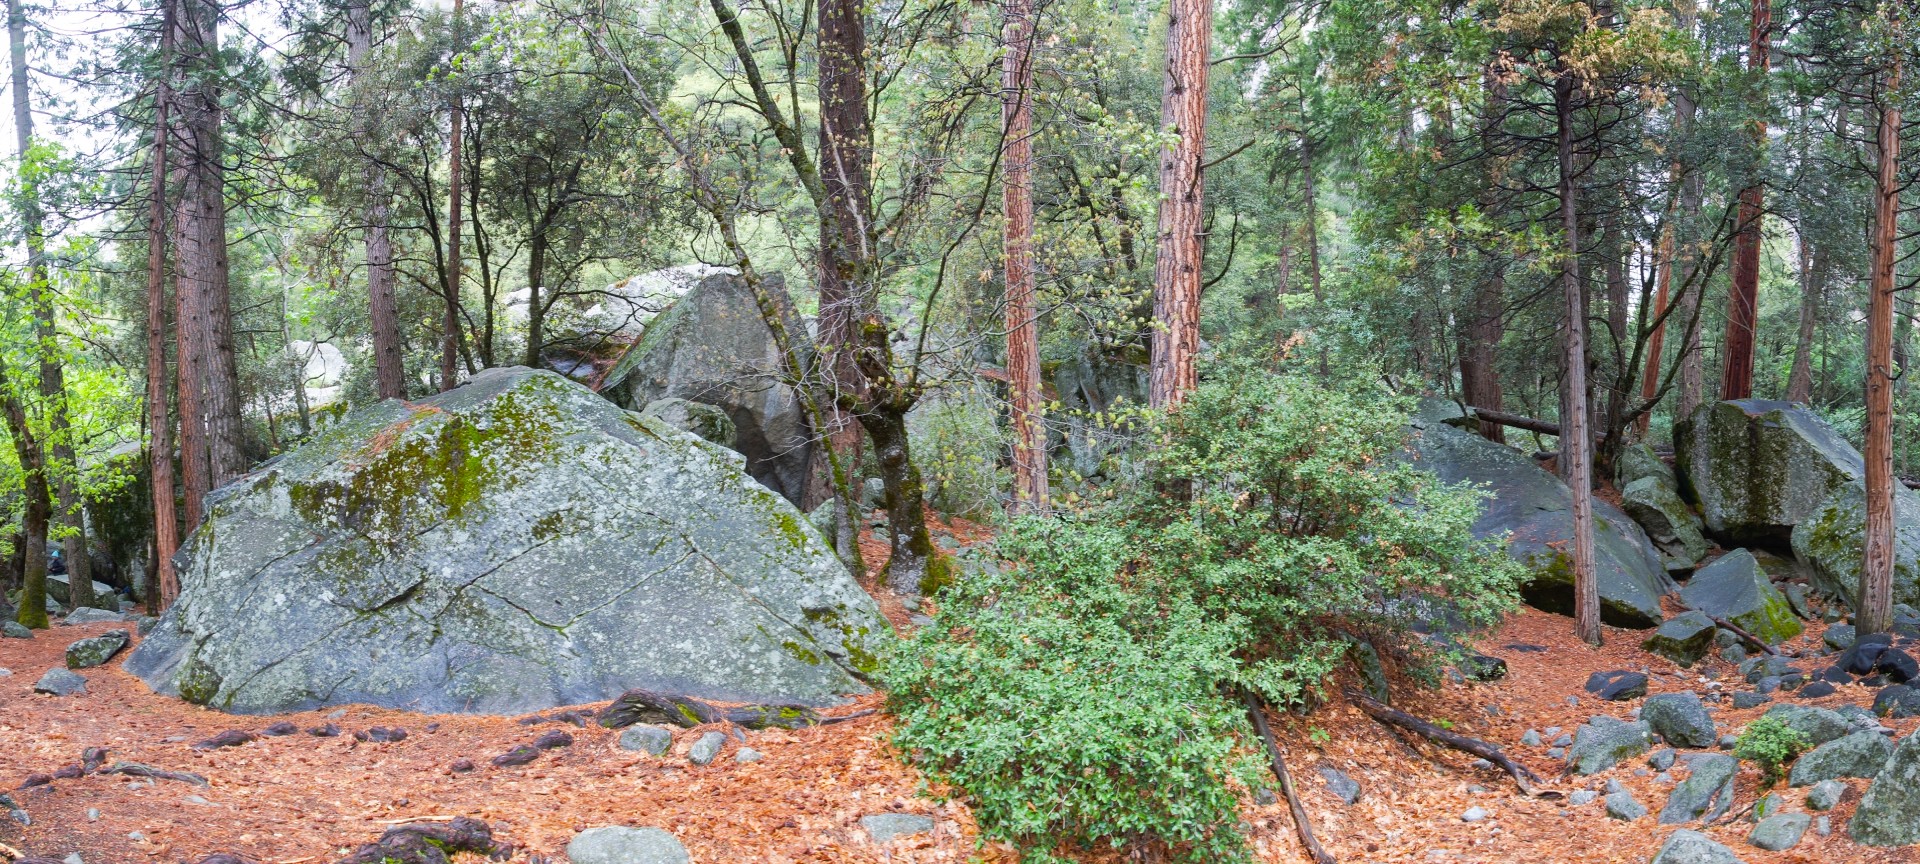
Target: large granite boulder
pixel 1887 812
pixel 59 586
pixel 1734 588
pixel 1832 540
pixel 1534 510
pixel 712 346
pixel 1758 467
pixel 1674 529
pixel 512 545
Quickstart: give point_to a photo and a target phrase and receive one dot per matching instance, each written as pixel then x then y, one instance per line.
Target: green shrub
pixel 957 445
pixel 1083 693
pixel 1771 744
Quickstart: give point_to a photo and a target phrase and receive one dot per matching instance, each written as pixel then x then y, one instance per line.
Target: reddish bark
pixel 1176 277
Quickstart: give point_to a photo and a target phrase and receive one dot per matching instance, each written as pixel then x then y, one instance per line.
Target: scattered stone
pixel 1706 794
pixel 146 623
pixel 1622 806
pixel 1655 503
pixel 1475 814
pixel 1734 588
pixel 1530 739
pixel 381 735
pixel 1480 667
pixel 1797 598
pixel 1684 639
pixel 1661 759
pixel 883 827
pixel 748 754
pixel 461 766
pixel 1749 699
pixel 1839 637
pixel 520 755
pixel 1817 690
pixel 1606 742
pixel 1860 754
pixel 1735 654
pixel 651 740
pixel 1823 826
pixel 1617 686
pixel 621 845
pixel 707 748
pixel 325 730
pixel 15 630
pixel 1680 719
pixel 554 740
pixel 1886 814
pixel 1768 805
pixel 1582 797
pixel 1780 831
pixel 1556 752
pixel 1818 724
pixel 1729 741
pixel 1692 847
pixel 279 730
pixel 229 738
pixel 1342 786
pixel 90 615
pixel 1898 666
pixel 1826 794
pixel 60 682
pixel 1897 702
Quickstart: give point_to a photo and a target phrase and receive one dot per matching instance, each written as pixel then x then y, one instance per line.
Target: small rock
pixel 1748 699
pixel 60 682
pixel 707 748
pixel 1622 806
pixel 1768 805
pixel 748 754
pixel 1857 755
pixel 1661 759
pixel 195 799
pixel 520 755
pixel 1530 739
pixel 1614 785
pixel 1826 794
pixel 1563 741
pixel 15 630
pixel 279 730
pixel 1264 797
pixel 73 858
pixel 1680 719
pixel 461 766
pixel 1728 742
pixel 88 653
pixel 1707 792
pixel 621 845
pixel 1606 742
pixel 1818 724
pixel 1342 786
pixel 882 827
pixel 1817 690
pixel 229 738
pixel 1617 686
pixel 1556 753
pixel 554 740
pixel 1684 639
pixel 651 740
pixel 1582 797
pixel 1823 826
pixel 1686 846
pixel 1839 637
pixel 1475 814
pixel 1780 831
pixel 327 730
pixel 89 615
pixel 93 814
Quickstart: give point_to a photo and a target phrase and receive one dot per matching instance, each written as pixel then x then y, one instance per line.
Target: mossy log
pixel 646 706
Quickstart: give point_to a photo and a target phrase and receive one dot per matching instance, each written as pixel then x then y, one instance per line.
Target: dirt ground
pixel 297 799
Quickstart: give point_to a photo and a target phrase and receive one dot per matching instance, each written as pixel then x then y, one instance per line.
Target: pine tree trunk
pixel 846 154
pixel 1692 384
pixel 450 312
pixel 1176 269
pixel 536 303
pixel 1023 341
pixel 33 524
pixel 1736 379
pixel 1656 341
pixel 1574 454
pixel 383 309
pixel 1812 289
pixel 159 422
pixel 1876 571
pixel 1484 327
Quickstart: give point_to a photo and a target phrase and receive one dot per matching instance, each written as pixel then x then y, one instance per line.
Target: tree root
pixel 646 706
pixel 430 844
pixel 1521 775
pixel 1256 712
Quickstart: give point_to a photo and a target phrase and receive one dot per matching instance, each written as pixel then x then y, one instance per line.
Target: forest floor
pixel 297 799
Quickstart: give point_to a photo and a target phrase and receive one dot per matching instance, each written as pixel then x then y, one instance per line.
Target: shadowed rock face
pixel 1535 509
pixel 515 544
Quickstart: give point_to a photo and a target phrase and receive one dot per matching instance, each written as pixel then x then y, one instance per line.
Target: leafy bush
pixel 958 447
pixel 1771 744
pixel 1084 694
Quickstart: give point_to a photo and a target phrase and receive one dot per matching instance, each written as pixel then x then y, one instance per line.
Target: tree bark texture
pixel 1876 572
pixel 1813 279
pixel 1176 270
pixel 1574 448
pixel 383 309
pixel 846 215
pixel 166 537
pixel 1023 340
pixel 450 313
pixel 1480 334
pixel 1736 379
pixel 1692 384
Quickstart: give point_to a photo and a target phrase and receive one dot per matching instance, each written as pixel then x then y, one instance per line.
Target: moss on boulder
pixel 1758 467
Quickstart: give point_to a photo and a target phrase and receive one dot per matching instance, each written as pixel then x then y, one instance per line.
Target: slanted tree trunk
pixel 39 504
pixel 450 313
pixel 383 309
pixel 1574 453
pixel 1736 379
pixel 1876 571
pixel 53 386
pixel 1176 270
pixel 166 583
pixel 1023 340
pixel 201 228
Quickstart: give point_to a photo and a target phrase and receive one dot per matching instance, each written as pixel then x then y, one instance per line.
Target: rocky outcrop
pixel 1832 538
pixel 1673 528
pixel 1533 509
pixel 512 545
pixel 1886 814
pixel 1734 588
pixel 712 347
pixel 1757 467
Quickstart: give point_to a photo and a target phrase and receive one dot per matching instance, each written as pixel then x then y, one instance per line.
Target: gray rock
pixel 1797 598
pixel 883 827
pixel 1898 701
pixel 1614 785
pixel 1826 794
pixel 1680 719
pixel 1780 832
pixel 1758 468
pixel 510 546
pixel 88 653
pixel 1563 741
pixel 1692 847
pixel 748 755
pixel 59 586
pixel 651 740
pixel 1734 588
pixel 1818 724
pixel 707 748
pixel 1768 805
pixel 1638 461
pixel 1534 510
pixel 1673 528
pixel 1582 797
pixel 90 615
pixel 146 623
pixel 1661 759
pixel 1618 685
pixel 620 845
pixel 60 682
pixel 1857 755
pixel 713 347
pixel 1831 538
pixel 1556 752
pixel 1475 814
pixel 707 421
pixel 1886 814
pixel 1823 826
pixel 15 630
pixel 1605 743
pixel 1622 806
pixel 1733 654
pixel 1342 786
pixel 1706 794
pixel 1748 699
pixel 1684 638
pixel 1531 739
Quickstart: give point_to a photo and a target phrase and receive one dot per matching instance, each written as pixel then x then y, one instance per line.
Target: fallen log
pixel 1516 421
pixel 135 769
pixel 1255 711
pixel 1521 775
